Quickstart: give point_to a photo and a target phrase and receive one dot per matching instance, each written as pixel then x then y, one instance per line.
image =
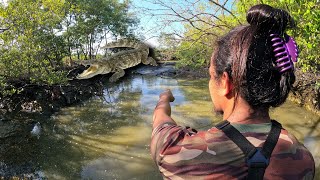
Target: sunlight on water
pixel 108 137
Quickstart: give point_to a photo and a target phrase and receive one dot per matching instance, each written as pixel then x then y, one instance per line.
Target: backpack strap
pixel 257 159
pixel 233 134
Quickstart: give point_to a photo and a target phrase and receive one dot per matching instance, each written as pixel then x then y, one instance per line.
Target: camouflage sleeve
pixel 291 159
pixel 183 153
pixel 165 136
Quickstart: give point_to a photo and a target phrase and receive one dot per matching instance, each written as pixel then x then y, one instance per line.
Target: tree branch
pixel 224 8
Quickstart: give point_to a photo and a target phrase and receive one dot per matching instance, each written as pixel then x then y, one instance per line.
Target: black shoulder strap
pixel 246 147
pixel 272 138
pixel 257 159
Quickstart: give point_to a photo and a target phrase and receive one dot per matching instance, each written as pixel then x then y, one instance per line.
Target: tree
pixel 89 23
pixel 36 35
pixel 307 34
pixel 194 25
pixel 30 47
pixel 205 21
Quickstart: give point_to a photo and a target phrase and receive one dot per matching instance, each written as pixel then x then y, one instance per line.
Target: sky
pixel 3 1
pixel 152 26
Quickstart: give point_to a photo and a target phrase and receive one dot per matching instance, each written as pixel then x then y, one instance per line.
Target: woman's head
pixel 246 56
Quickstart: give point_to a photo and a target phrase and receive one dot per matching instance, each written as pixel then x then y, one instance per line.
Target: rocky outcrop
pixel 33 98
pixel 306 90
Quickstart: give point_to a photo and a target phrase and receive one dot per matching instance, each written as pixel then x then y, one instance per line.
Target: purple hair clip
pixel 285 52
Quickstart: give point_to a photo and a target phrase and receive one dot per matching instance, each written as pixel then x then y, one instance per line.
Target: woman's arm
pixel 162 112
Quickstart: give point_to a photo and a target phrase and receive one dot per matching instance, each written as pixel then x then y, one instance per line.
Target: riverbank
pixel 22 115
pixel 48 99
pixel 306 92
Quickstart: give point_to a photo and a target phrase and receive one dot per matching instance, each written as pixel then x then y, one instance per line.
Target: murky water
pixel 108 137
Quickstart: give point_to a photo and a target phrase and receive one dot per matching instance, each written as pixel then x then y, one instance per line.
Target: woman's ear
pixel 226 85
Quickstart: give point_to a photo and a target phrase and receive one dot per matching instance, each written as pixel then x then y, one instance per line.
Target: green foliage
pixel 196 48
pixel 192 50
pixel 317 85
pixel 194 56
pixel 30 48
pixel 88 23
pixel 41 33
pixel 307 33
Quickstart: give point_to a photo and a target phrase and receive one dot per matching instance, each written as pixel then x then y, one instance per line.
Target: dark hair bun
pixel 269 19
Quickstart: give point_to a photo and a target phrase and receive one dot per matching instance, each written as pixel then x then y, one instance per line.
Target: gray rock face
pixel 36 130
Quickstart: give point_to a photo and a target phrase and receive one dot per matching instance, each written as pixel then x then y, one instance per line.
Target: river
pixel 108 137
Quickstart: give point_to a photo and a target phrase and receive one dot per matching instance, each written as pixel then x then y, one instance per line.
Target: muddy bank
pixel 44 99
pixel 187 72
pixel 306 91
pixel 49 99
pixel 19 126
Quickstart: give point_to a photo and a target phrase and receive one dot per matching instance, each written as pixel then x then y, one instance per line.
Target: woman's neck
pixel 242 113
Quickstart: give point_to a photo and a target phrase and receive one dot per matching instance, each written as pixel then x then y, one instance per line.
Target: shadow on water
pixel 100 139
pixel 108 137
pixel 17 152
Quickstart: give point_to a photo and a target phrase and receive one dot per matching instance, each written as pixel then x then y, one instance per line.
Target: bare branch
pixel 224 8
pixel 193 21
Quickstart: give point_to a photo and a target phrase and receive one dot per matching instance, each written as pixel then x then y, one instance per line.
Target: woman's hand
pixel 166 96
pixel 162 112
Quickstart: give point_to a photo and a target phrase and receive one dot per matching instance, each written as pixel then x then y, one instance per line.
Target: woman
pixel 251 70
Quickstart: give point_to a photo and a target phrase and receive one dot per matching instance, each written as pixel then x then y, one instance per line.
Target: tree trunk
pixel 78 54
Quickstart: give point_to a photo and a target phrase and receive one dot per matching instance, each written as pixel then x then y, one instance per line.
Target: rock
pixel 31 107
pixel 165 69
pixel 306 91
pixel 36 130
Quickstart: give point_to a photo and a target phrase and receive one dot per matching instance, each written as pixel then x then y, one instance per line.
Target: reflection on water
pixel 108 137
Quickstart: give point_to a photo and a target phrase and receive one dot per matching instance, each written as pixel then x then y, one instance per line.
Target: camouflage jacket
pixel 184 153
